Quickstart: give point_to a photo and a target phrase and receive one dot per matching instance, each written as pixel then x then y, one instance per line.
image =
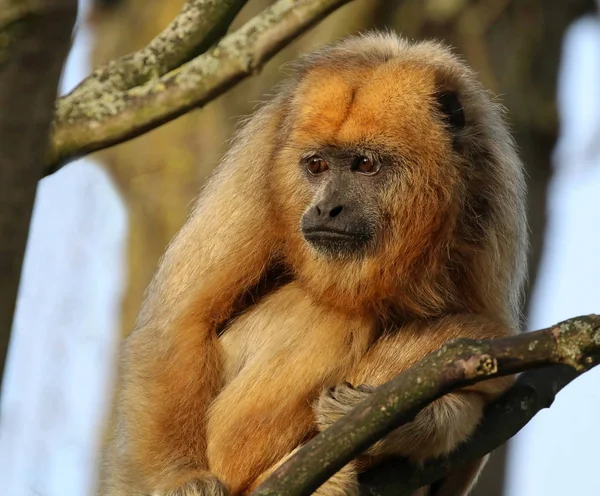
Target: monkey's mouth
pixel 336 242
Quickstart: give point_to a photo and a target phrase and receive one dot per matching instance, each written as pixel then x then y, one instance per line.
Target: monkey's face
pixel 343 218
pixel 370 168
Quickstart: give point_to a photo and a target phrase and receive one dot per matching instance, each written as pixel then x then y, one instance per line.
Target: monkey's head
pixel 397 182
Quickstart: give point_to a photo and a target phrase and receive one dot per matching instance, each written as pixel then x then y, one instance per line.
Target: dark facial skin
pixel 343 219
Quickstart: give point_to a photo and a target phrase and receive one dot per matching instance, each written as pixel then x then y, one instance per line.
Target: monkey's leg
pixel 171 365
pixel 441 426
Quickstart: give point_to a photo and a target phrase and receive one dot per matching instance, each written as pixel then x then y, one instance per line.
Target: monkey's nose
pixel 328 211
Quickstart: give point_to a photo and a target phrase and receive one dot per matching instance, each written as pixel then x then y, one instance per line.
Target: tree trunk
pixel 34 43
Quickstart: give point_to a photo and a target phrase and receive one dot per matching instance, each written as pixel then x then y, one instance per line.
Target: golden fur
pixel 216 392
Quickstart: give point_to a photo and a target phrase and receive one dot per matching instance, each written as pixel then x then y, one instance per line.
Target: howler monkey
pixel 371 211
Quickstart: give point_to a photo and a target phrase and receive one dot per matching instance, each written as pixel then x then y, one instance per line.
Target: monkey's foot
pixel 206 486
pixel 337 401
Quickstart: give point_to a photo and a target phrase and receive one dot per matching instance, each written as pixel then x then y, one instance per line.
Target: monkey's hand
pixel 205 486
pixel 436 430
pixel 337 401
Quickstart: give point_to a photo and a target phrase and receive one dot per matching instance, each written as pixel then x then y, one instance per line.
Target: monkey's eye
pixel 366 166
pixel 316 165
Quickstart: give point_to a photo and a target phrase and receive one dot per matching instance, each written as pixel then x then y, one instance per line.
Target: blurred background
pixel 100 225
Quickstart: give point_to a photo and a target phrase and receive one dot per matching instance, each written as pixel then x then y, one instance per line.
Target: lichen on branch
pixel 143 90
pixel 200 24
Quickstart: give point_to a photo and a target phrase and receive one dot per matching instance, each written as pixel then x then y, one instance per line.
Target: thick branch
pixel 458 364
pixel 34 41
pixel 109 116
pixel 200 24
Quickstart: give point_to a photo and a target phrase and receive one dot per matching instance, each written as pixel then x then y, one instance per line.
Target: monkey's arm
pixel 264 412
pixel 171 364
pixel 442 425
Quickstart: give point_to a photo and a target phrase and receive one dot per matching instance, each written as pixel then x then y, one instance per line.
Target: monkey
pixel 370 211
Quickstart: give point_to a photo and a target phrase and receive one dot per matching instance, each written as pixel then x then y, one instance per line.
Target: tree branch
pixel 456 365
pixel 533 391
pixel 34 41
pixel 200 24
pixel 103 112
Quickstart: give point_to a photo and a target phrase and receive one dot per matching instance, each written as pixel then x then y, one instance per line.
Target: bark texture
pixel 35 38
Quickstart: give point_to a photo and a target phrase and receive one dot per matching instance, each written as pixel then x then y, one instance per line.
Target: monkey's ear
pixel 451 108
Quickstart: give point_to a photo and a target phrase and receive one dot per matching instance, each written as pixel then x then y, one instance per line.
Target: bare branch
pixel 458 364
pixel 99 118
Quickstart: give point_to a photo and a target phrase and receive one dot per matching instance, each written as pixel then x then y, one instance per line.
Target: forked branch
pixel 574 343
pixel 175 73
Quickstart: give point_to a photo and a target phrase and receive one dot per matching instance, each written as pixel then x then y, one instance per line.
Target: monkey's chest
pixel 293 333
